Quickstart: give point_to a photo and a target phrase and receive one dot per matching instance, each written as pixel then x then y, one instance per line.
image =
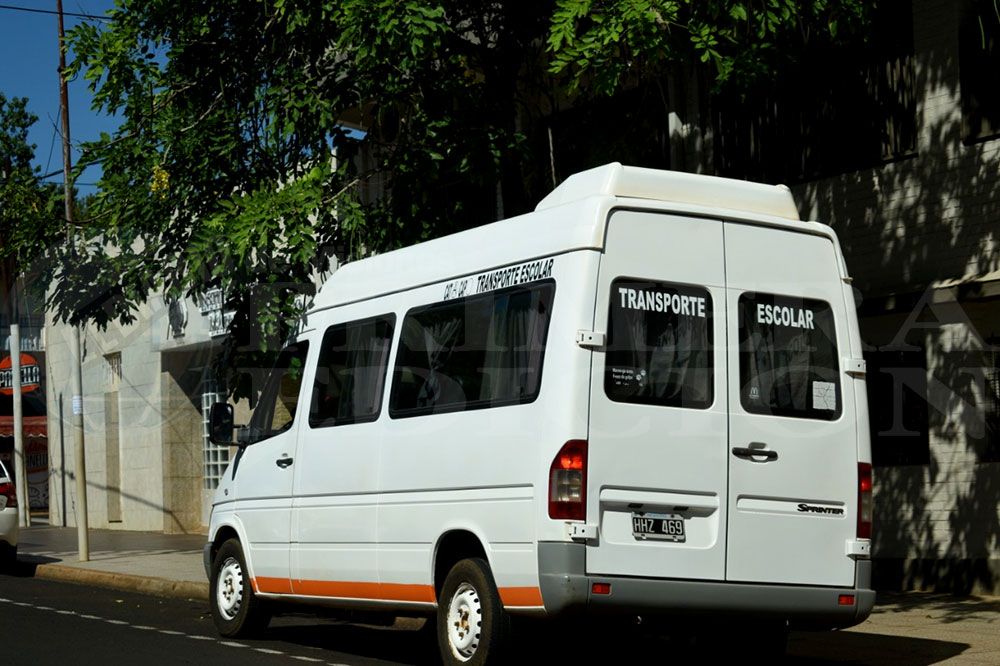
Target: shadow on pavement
pixel 849 647
pixel 563 643
pixel 945 608
pixel 25 566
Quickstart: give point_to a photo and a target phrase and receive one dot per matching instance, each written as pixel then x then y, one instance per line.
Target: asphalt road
pixel 48 622
pixel 45 622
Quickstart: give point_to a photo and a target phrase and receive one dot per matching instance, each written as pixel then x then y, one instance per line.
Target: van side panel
pixel 479 471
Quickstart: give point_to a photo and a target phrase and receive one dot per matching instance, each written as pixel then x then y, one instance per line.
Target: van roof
pixel 571 217
pixel 674 186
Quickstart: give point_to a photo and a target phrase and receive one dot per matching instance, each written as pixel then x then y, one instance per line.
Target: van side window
pixel 659 349
pixel 480 351
pixel 275 411
pixel 788 357
pixel 350 373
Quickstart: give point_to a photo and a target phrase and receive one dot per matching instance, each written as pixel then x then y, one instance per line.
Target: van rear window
pixel 350 374
pixel 659 349
pixel 788 357
pixel 471 353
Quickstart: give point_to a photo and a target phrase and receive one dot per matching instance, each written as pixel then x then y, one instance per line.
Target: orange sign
pixel 31 375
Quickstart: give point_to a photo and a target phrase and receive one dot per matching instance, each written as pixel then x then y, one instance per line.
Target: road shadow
pixel 945 608
pixel 25 566
pixel 412 643
pixel 857 648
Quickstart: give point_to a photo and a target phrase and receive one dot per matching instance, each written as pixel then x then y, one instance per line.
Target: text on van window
pixel 784 316
pixel 658 301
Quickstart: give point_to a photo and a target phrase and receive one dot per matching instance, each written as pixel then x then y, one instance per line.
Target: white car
pixel 8 519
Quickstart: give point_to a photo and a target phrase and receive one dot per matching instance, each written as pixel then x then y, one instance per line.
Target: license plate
pixel 660 526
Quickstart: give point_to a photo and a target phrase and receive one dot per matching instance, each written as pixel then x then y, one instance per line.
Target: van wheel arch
pixel 453 547
pixel 222 536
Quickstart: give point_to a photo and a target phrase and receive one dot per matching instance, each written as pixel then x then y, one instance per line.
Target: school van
pixel 645 397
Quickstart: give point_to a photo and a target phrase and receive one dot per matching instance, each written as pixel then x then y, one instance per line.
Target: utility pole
pixel 83 537
pixel 20 460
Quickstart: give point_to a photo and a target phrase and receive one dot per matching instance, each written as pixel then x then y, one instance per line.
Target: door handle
pixel 751 453
pixel 283 462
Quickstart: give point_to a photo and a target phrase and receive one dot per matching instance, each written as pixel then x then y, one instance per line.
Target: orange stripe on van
pixel 510 596
pixel 272 585
pixel 350 590
pixel 520 596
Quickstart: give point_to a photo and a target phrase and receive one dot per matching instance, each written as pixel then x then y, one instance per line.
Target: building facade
pixel 149 464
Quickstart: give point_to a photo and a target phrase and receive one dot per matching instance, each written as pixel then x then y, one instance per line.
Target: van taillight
pixel 568 482
pixel 864 501
pixel 7 489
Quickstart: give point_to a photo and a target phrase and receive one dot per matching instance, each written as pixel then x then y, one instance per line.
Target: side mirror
pixel 221 423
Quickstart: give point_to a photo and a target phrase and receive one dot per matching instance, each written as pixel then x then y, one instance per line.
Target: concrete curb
pixel 159 587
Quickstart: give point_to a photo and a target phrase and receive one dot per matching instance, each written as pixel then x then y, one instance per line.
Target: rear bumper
pixel 566 588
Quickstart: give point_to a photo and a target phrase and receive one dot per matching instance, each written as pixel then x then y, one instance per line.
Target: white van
pixel 645 397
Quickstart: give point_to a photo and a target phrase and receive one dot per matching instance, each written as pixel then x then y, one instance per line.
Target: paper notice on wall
pixel 77 404
pixel 824 396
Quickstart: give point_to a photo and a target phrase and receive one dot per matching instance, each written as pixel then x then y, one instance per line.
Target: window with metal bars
pixel 216 457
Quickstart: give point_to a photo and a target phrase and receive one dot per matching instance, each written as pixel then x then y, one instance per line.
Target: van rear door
pixel 657 452
pixel 793 470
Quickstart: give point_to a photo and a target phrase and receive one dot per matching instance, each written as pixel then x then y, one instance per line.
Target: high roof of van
pixel 572 217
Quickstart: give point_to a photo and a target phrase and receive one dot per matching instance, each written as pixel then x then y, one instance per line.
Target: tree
pixel 28 223
pixel 608 44
pixel 234 166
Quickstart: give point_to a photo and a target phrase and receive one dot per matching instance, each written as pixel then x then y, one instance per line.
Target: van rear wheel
pixel 472 625
pixel 236 610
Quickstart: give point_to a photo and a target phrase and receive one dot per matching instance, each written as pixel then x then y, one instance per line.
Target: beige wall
pixel 159 426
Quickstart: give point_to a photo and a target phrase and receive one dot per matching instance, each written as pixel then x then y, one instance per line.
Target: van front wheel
pixel 236 610
pixel 472 625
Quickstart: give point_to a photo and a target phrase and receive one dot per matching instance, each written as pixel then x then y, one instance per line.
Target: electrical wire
pixel 89 17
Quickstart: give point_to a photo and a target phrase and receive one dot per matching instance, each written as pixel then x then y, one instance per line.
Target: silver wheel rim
pixel 229 588
pixel 465 619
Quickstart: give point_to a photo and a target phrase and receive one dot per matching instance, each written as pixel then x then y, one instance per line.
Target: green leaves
pixel 614 43
pixel 29 216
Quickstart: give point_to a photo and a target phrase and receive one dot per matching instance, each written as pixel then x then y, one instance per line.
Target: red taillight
pixel 8 491
pixel 864 501
pixel 568 482
pixel 845 600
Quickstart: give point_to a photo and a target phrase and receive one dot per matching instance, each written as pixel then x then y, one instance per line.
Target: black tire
pixel 472 625
pixel 236 610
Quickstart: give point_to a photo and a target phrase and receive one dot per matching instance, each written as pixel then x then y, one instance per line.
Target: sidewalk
pixel 906 629
pixel 149 562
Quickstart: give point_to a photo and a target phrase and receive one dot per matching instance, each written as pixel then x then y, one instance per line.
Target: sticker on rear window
pixel 824 395
pixel 628 376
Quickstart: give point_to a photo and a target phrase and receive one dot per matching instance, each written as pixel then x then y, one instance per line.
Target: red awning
pixel 34 426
